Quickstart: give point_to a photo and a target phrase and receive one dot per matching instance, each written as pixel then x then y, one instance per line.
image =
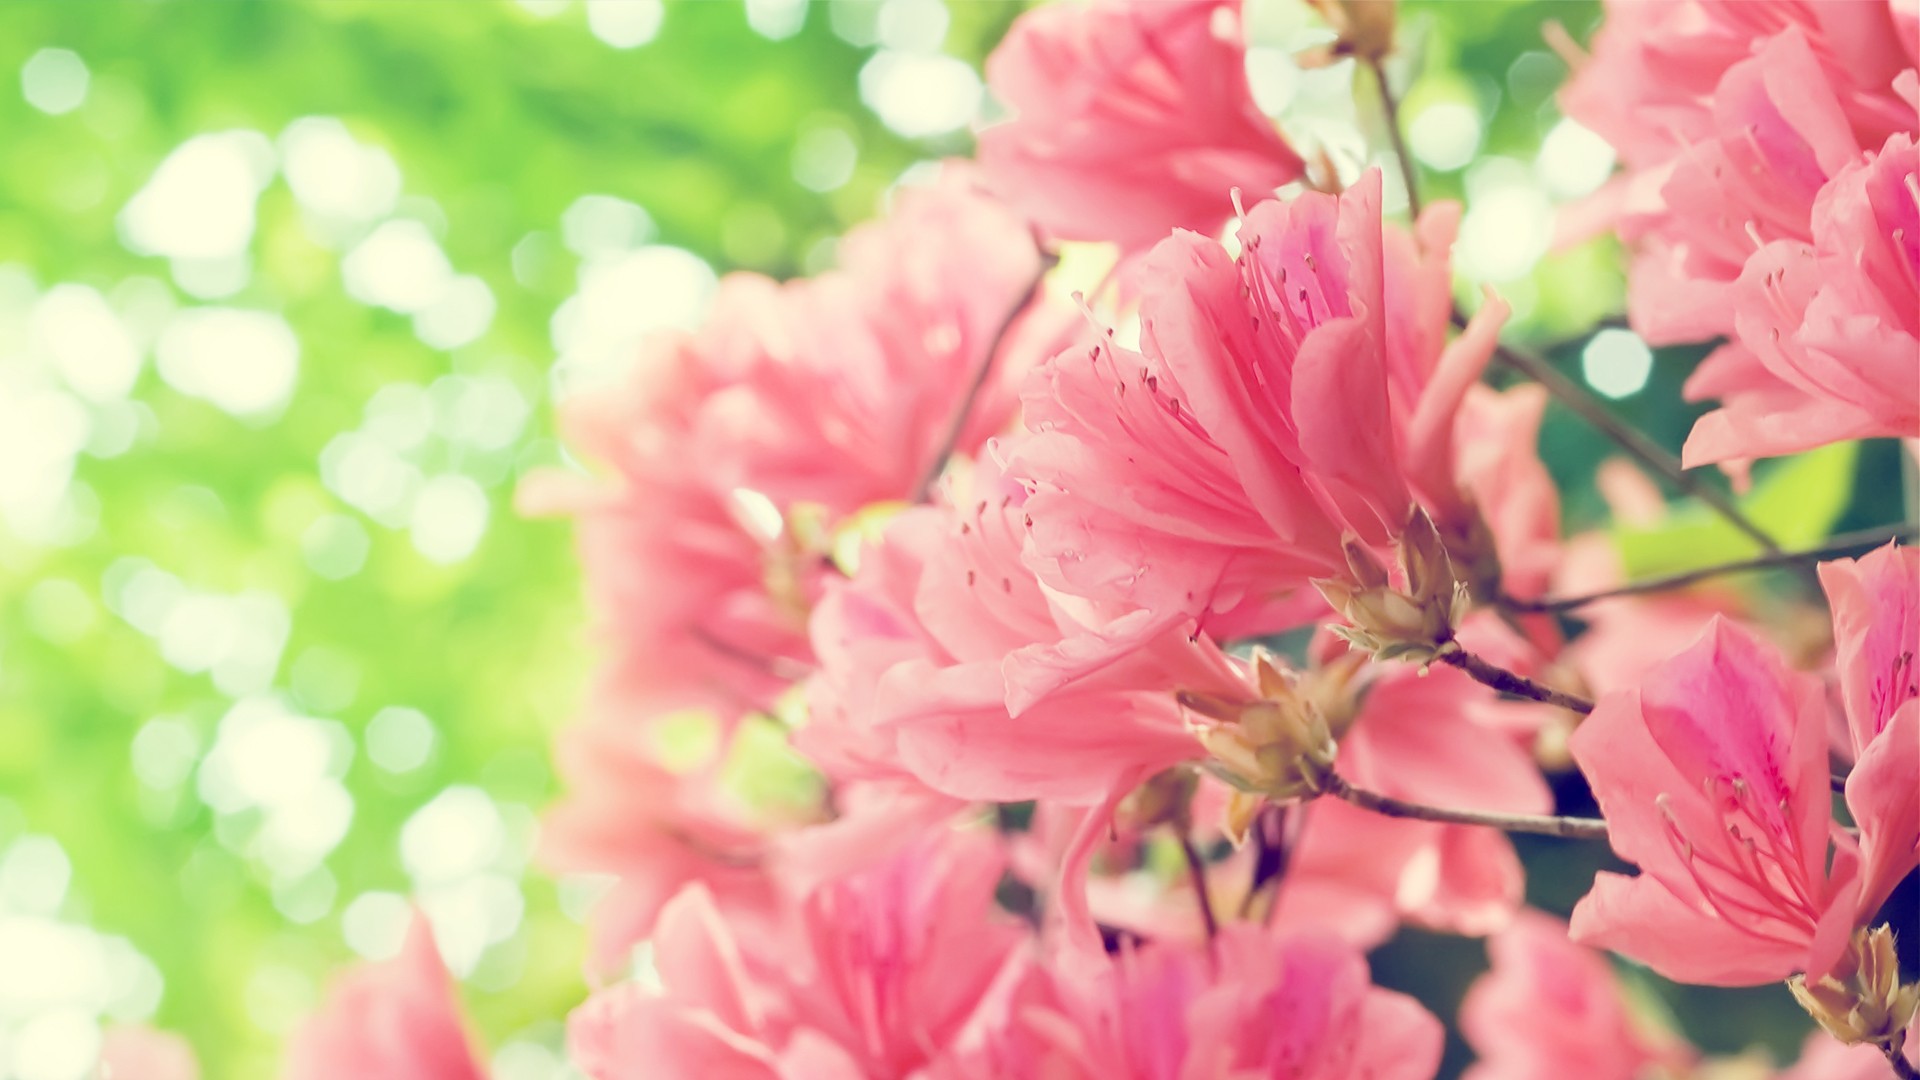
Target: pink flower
pixel 944 656
pixel 872 975
pixel 741 447
pixel 1497 460
pixel 1649 86
pixel 1550 1009
pixel 1876 629
pixel 849 397
pixel 656 830
pixel 1131 118
pixel 143 1053
pixel 1248 1005
pixel 1419 738
pixel 1277 401
pixel 1713 779
pixel 393 1020
pixel 1779 133
pixel 1827 332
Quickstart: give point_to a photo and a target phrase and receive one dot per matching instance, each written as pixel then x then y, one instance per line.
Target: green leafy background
pixel 499 118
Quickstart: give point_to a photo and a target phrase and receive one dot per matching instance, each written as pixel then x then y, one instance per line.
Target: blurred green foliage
pixel 498 119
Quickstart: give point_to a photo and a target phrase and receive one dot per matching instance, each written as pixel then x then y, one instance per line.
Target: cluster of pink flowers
pixel 1003 567
pixel 1771 199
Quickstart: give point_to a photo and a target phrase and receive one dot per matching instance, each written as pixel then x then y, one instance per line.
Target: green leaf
pixel 1796 503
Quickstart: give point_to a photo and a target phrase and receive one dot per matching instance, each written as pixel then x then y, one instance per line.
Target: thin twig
pixel 1631 439
pixel 1570 828
pixel 1508 682
pixel 957 425
pixel 1391 107
pixel 1864 540
pixel 1197 870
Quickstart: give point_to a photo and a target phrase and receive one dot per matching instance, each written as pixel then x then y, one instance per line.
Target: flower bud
pixel 1277 746
pixel 1862 1001
pixel 1416 622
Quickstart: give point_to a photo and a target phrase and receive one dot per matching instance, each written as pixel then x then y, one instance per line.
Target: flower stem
pixel 1570 828
pixel 1508 682
pixel 1197 870
pixel 957 425
pixel 1630 439
pixel 1902 1068
pixel 1846 544
pixel 1391 107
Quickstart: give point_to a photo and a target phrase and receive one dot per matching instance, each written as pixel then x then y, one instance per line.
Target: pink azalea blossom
pixel 1248 1005
pixel 393 1020
pixel 740 447
pixel 1713 780
pixel 655 830
pixel 946 657
pixel 871 975
pixel 1277 401
pixel 1419 739
pixel 1779 133
pixel 1551 1009
pixel 1876 629
pixel 1649 86
pixel 143 1053
pixel 1131 118
pixel 1828 331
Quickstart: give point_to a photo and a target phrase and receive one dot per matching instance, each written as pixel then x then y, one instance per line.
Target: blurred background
pixel 287 292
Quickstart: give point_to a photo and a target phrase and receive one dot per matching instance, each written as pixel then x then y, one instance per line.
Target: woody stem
pixel 1847 544
pixel 957 424
pixel 1391 107
pixel 1902 1068
pixel 1508 682
pixel 1197 870
pixel 1570 828
pixel 1630 439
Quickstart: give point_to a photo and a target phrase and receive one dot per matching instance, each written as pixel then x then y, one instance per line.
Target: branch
pixel 1197 870
pixel 1631 439
pixel 1847 544
pixel 957 426
pixel 1392 108
pixel 1508 682
pixel 1570 828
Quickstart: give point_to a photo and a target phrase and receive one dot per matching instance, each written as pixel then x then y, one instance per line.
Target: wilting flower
pixel 393 1020
pixel 1713 780
pixel 1550 1008
pixel 1131 118
pixel 1246 1004
pixel 878 973
pixel 1278 401
pixel 1826 332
